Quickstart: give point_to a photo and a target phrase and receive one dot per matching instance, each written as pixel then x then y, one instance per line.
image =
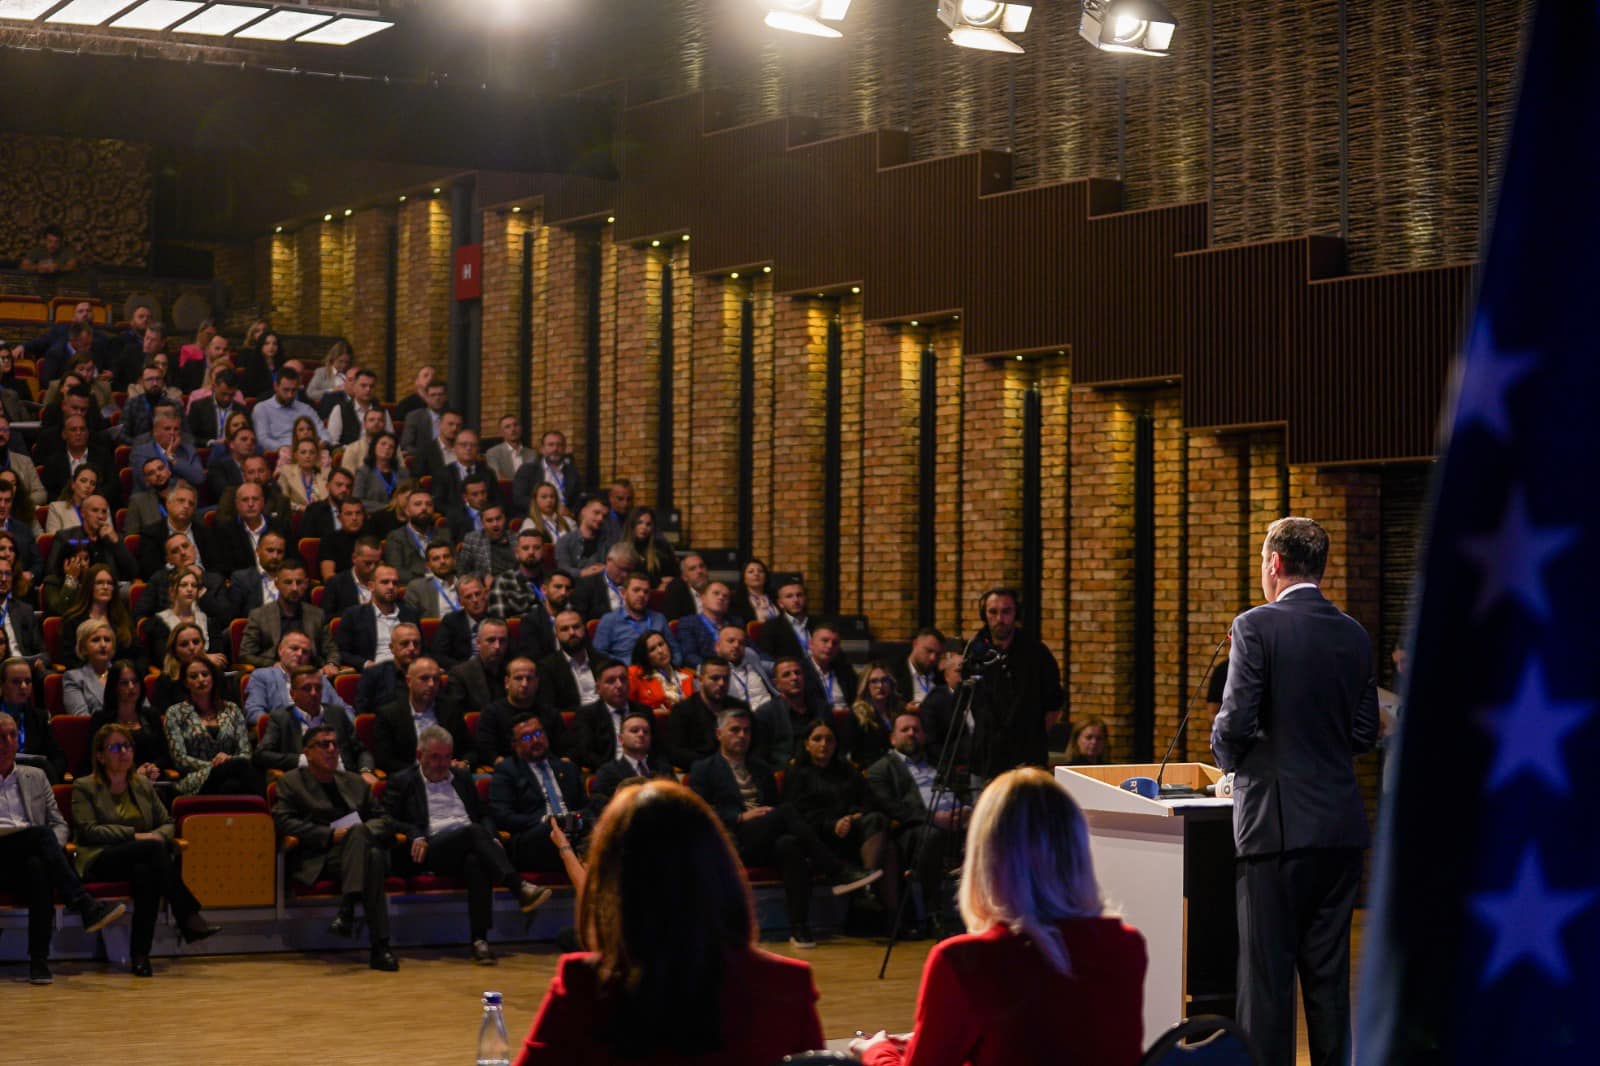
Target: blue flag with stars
pixel 1483 938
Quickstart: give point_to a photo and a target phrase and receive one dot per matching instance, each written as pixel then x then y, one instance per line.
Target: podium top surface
pixel 1096 787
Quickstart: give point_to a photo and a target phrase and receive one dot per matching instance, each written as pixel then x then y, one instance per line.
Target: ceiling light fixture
pixel 983 24
pixel 25 9
pixel 806 16
pixel 219 20
pixel 327 218
pixel 282 25
pixel 342 31
pixel 86 12
pixel 1140 27
pixel 156 15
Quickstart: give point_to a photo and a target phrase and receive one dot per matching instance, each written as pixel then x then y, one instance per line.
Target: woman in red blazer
pixel 675 975
pixel 1043 977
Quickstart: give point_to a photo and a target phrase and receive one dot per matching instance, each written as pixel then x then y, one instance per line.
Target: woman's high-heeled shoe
pixel 195 930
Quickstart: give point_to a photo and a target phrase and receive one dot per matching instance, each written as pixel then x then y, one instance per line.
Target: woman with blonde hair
pixel 1040 955
pixel 673 973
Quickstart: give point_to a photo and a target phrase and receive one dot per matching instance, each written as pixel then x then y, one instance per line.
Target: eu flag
pixel 1483 941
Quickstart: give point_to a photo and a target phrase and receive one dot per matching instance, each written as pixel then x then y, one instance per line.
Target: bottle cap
pixel 491 999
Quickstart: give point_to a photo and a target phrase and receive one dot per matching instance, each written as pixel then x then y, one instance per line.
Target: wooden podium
pixel 1167 867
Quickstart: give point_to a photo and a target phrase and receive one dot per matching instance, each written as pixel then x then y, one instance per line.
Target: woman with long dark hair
pixel 834 799
pixel 752 597
pixel 380 476
pixel 655 554
pixel 97 597
pixel 652 679
pixel 209 738
pixel 673 970
pixel 123 703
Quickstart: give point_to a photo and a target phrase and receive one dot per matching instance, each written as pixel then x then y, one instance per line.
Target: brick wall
pixel 991 472
pixel 308 253
pixel 766 461
pixel 366 324
pixel 503 237
pixel 234 264
pixel 561 334
pixel 953 607
pixel 882 584
pixel 707 485
pixel 422 306
pixel 631 372
pixel 687 402
pixel 799 376
pixel 1054 377
pixel 1173 685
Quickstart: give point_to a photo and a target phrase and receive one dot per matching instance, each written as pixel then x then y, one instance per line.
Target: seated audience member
pixel 321 516
pixel 918 673
pixel 538 630
pixel 515 588
pixel 930 814
pixel 210 739
pixel 698 633
pixel 125 353
pixel 366 631
pixel 663 983
pixel 236 541
pixel 185 644
pixel 97 599
pixel 457 634
pixel 436 805
pixel 349 416
pixel 380 472
pixel 487 550
pixel 595 730
pixel 187 591
pixel 754 597
pixel 181 501
pixel 553 467
pixel 619 504
pixel 21 530
pixel 833 798
pixel 282 747
pixel 656 558
pixel 788 633
pixel 328 384
pixel 477 680
pixel 435 456
pixel 636 760
pixel 422 415
pixel 52 255
pixel 683 595
pixel 192 357
pixel 124 833
pixel 147 504
pixel 692 723
pixel 37 745
pixel 620 630
pixel 864 732
pixel 528 790
pixel 652 679
pixel 123 703
pixel 417 398
pixel 167 446
pixel 519 699
pixel 829 676
pixel 434 594
pixel 1090 739
pixel 406 548
pixel 568 674
pixel 464 466
pixel 94 530
pixel 139 411
pixel 351 586
pixel 310 799
pixel 84 687
pixel 744 794
pixel 303 481
pixel 783 721
pixel 545 518
pixel 14 459
pixel 258 471
pixel 22 585
pixel 250 589
pixel 66 511
pixel 208 415
pixel 748 678
pixel 14 390
pixel 57 467
pixel 22 629
pixel 412 710
pixel 273 419
pixel 256 360
pixel 269 688
pixel 288 613
pixel 581 552
pixel 1038 929
pixel 33 859
pixel 507 457
pixel 336 552
pixel 379 685
pixel 601 593
pixel 227 471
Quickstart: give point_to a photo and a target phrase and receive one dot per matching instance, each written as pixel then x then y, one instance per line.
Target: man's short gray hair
pixel 433 734
pixel 623 553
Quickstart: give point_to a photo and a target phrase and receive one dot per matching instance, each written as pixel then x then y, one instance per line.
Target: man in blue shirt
pixel 274 419
pixel 621 629
pixel 166 443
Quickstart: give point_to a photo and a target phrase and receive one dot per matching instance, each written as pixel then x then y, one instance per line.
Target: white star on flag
pixel 1526 920
pixel 1514 555
pixel 1487 375
pixel 1530 730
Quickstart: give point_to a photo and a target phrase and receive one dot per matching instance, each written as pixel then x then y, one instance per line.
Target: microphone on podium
pixel 1152 788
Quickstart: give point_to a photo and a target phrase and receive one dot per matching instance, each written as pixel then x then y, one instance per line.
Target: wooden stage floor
pixel 263 1010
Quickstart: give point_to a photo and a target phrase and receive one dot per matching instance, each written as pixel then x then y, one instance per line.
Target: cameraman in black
pixel 1019 696
pixel 531 787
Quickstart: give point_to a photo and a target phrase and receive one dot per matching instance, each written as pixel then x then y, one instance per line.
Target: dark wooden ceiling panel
pixel 825 198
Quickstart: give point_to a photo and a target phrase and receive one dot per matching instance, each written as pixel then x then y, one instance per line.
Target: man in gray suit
pixel 269 622
pixel 1300 702
pixel 421 427
pixel 33 863
pixel 343 835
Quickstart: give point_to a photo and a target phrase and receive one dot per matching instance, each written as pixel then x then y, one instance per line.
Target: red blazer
pixel 985 995
pixel 769 1005
pixel 651 691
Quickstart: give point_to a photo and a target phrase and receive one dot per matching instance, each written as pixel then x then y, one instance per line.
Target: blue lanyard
pixel 827 683
pixel 222 419
pixel 555 472
pixel 422 549
pixel 389 480
pixel 307 483
pixel 800 632
pixel 5 611
pixel 79 513
pixel 614 587
pixel 445 597
pixel 709 627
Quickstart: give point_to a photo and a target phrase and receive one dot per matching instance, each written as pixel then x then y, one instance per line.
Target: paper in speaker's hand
pixel 349 821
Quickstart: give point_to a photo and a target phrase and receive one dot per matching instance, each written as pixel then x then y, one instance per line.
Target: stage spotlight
pixel 1142 27
pixel 806 16
pixel 984 23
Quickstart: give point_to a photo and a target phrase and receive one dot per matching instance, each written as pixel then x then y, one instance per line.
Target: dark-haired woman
pixel 123 704
pixel 655 554
pixel 210 739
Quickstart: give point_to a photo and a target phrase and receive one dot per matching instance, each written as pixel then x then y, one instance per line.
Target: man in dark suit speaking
pixel 1300 703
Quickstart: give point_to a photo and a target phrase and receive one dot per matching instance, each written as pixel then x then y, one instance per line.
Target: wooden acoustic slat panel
pixel 825 195
pixel 746 166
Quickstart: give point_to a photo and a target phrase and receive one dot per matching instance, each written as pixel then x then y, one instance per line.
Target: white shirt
pixel 922 773
pixel 830 686
pixel 386 624
pixel 256 534
pixel 422 719
pixel 1295 587
pixel 746 683
pixel 445 809
pixel 269 587
pixel 12 815
pixel 921 684
pixel 583 674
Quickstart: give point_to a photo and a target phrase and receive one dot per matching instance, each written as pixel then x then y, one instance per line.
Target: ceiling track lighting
pixel 809 17
pixel 983 24
pixel 1136 27
pixel 200 18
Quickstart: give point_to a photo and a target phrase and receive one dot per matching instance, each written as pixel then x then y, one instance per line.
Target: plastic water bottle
pixel 493 1047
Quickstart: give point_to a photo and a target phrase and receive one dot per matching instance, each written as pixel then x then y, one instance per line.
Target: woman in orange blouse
pixel 652 679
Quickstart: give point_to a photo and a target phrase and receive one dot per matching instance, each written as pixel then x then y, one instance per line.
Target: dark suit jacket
pixel 452 641
pixel 777 639
pixel 302 810
pixel 1300 703
pixel 692 730
pixel 153 550
pixel 396 739
pixel 469 686
pixel 101 550
pixel 405 800
pixel 281 746
pixel 340 593
pixel 29 629
pixel 594 735
pixel 610 776
pixel 896 791
pixel 536 637
pixel 377 688
pixel 233 548
pixel 712 779
pixel 679 602
pixel 493 740
pixel 448 485
pixel 517 800
pixel 591 597
pixel 844 675
pixel 55 470
pixel 244 590
pixel 695 637
pixel 203 420
pixel 39 747
pixel 531 475
pixel 27 547
pixel 556 686
pixel 358 633
pixel 260 644
pixel 319 520
pixel 222 475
